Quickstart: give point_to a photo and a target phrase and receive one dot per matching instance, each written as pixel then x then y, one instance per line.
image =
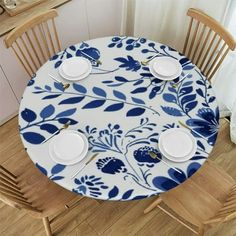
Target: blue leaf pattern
pixel 94 104
pixel 135 112
pixel 56 178
pixel 51 96
pixel 79 88
pixel 49 128
pixel 172 111
pixel 127 194
pixel 59 86
pixel 119 95
pixel 58 63
pixel 137 100
pixel 47 111
pixel 33 138
pixel 28 115
pixel 169 98
pixel 121 79
pixel 68 112
pixel 66 120
pixel 43 170
pixel 115 107
pixel 57 169
pixel 113 192
pixel 99 92
pixel 139 90
pixel 73 100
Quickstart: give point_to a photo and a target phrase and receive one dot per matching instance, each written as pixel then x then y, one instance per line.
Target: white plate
pixel 75 68
pixel 68 147
pixel 177 144
pixel 165 68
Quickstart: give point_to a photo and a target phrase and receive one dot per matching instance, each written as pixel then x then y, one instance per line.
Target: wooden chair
pixel 206 199
pixel 35 41
pixel 32 191
pixel 207 42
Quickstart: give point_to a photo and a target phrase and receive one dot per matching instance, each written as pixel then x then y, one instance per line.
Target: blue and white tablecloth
pixel 122 109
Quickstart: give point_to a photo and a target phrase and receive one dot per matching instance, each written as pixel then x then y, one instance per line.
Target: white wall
pixel 8 101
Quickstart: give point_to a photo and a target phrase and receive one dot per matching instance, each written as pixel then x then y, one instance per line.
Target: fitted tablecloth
pixel 122 109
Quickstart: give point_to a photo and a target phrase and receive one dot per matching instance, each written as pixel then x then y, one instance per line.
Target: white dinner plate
pixel 68 147
pixel 177 144
pixel 165 68
pixel 75 68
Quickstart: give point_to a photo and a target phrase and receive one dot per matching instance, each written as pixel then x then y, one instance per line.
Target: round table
pixel 122 109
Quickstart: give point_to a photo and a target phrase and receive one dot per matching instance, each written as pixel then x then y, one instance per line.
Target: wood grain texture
pixel 213 24
pixel 207 46
pixel 22 6
pixel 8 23
pixel 84 229
pixel 108 214
pixel 92 218
pixel 132 221
pixel 32 36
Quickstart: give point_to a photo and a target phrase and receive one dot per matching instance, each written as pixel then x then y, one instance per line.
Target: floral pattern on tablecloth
pixel 122 109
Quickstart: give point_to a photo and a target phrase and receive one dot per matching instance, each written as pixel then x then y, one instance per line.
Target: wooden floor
pixel 93 218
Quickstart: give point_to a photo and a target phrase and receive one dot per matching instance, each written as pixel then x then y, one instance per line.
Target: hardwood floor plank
pixel 9 216
pixel 107 214
pixel 84 229
pixel 132 221
pixel 10 143
pixel 24 227
pixel 161 224
pixel 227 229
pixel 75 217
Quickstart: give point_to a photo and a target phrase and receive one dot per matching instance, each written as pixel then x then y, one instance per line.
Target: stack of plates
pixel 75 68
pixel 68 147
pixel 165 68
pixel 177 144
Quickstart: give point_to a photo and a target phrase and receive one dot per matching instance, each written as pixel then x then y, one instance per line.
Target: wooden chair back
pixel 11 193
pixel 207 42
pixel 35 41
pixel 227 211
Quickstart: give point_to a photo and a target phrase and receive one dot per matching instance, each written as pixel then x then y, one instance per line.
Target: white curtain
pixel 165 21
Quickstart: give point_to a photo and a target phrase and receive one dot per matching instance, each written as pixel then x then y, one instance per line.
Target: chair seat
pixel 200 197
pixel 44 194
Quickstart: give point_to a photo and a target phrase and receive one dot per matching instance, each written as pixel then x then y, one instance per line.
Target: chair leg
pixel 201 231
pixel 152 206
pixel 47 226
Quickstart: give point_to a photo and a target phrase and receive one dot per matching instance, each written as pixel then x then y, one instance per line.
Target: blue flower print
pixel 111 165
pixel 89 185
pixel 165 183
pixel 90 53
pixel 84 50
pixel 207 125
pixel 106 139
pixel 129 63
pixel 142 155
